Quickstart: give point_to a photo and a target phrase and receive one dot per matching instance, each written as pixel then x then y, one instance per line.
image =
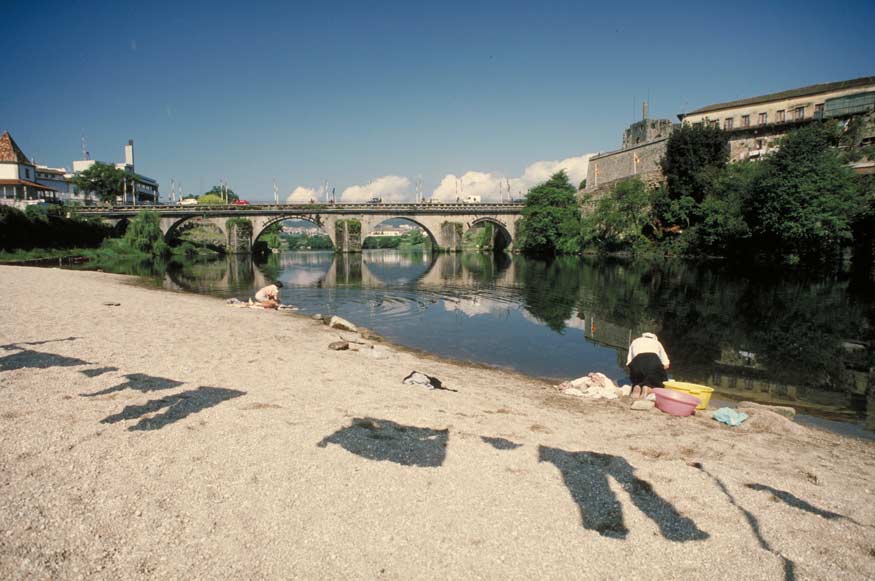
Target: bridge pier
pixel 347 236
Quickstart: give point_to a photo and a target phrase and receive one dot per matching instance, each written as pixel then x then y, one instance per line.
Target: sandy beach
pixel 146 434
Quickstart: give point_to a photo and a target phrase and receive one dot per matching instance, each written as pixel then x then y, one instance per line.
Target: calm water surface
pixel 786 337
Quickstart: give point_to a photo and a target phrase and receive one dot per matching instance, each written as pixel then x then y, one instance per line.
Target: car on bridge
pixel 188 202
pixel 375 200
pixel 239 203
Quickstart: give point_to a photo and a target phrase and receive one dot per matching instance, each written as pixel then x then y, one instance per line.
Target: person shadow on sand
pixel 586 476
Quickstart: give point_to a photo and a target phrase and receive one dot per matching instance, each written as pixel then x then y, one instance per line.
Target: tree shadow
pixel 586 476
pixel 18 345
pixel 97 371
pixel 789 566
pixel 385 440
pixel 177 407
pixel 500 443
pixel 139 382
pixel 795 501
pixel 27 359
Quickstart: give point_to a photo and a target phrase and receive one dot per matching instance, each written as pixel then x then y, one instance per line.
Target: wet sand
pixel 173 437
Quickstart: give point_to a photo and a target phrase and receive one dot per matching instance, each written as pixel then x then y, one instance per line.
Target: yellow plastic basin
pixel 703 392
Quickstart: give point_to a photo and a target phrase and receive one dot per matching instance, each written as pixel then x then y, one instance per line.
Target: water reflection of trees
pixel 550 290
pixel 788 327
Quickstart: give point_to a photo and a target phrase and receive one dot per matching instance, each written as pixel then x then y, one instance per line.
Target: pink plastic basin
pixel 674 402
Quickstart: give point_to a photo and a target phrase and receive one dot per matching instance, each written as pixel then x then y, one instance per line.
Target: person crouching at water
pixel 269 296
pixel 647 363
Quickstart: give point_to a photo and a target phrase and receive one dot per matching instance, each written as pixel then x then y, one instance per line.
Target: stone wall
pixel 641 162
pixel 646 131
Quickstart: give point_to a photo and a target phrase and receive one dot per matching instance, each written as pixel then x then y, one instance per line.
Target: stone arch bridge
pixel 347 225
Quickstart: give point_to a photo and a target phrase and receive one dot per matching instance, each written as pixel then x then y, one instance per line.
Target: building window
pixel 818 111
pixel 714 123
pixel 727 123
pixel 759 143
pixel 779 116
pixel 763 118
pixel 26 173
pixel 745 120
pixel 799 113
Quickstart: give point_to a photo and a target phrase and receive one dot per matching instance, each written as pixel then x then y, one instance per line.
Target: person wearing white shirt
pixel 647 362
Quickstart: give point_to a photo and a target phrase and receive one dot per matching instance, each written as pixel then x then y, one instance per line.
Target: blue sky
pixel 385 92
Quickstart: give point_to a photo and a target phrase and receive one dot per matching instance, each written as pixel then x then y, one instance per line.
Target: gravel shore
pixel 146 434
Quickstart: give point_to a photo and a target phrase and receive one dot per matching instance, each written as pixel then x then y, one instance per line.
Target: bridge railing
pixel 304 208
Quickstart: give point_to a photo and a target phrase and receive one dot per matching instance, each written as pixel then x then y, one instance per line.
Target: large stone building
pixel 756 124
pixel 643 147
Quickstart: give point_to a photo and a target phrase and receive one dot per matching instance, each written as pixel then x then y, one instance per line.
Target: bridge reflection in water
pixel 799 339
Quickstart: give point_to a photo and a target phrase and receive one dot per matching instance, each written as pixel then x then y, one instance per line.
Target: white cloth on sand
pixel 593 386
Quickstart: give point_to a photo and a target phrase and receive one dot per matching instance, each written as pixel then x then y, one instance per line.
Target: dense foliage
pixel 551 218
pixel 694 156
pixel 410 240
pixel 48 227
pixel 144 234
pixel 805 199
pixel 210 199
pixel 309 242
pixel 801 202
pixel 221 193
pixel 616 221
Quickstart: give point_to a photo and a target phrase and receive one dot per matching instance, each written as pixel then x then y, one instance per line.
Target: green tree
pixel 723 229
pixel 222 193
pixel 806 200
pixel 619 217
pixel 694 156
pixel 144 234
pixel 101 179
pixel 551 218
pixel 210 199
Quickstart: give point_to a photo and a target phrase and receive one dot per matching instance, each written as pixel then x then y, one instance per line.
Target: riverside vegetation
pixel 801 203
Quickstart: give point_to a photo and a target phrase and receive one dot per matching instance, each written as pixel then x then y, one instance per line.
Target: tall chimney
pixel 644 110
pixel 129 153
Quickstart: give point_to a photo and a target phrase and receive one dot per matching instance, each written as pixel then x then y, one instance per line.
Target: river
pixel 782 336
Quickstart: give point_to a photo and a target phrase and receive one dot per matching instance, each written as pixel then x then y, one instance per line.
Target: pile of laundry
pixel 594 386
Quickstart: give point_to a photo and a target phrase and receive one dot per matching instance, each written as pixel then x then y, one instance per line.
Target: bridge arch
pixel 373 225
pixel 502 239
pixel 260 226
pixel 172 227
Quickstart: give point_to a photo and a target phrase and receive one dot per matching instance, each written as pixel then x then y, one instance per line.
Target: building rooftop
pixel 10 152
pixel 790 94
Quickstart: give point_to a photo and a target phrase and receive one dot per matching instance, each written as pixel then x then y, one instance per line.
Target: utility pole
pixel 276 195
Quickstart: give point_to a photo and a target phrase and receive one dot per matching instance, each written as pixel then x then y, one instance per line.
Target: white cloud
pixel 389 188
pixel 471 183
pixel 302 195
pixel 492 186
pixel 478 306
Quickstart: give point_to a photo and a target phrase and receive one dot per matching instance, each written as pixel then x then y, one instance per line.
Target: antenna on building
pixel 644 111
pixel 85 154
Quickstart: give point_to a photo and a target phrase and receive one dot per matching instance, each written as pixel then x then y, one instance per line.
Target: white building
pixel 18 177
pixel 138 188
